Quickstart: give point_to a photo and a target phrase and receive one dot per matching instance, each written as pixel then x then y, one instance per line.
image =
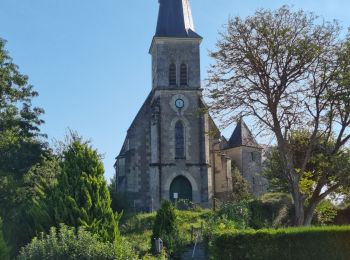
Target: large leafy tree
pixel 19 120
pixel 287 71
pixel 82 197
pixel 21 146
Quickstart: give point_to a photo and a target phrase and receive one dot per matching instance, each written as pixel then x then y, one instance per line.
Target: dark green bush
pixel 166 227
pixel 325 213
pixel 187 205
pixel 71 244
pixel 271 210
pixel 4 250
pixel 288 244
pixel 137 223
pixel 238 212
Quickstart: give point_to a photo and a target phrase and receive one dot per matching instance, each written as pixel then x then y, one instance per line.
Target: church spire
pixel 175 19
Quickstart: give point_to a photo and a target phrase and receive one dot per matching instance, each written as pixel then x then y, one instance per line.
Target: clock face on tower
pixel 179 103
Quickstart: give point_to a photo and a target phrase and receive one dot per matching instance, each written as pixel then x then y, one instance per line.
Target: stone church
pixel 173 149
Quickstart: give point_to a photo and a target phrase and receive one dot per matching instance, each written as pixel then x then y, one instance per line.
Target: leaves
pixel 70 243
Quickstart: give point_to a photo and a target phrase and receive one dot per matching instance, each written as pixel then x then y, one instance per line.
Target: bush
pixel 272 209
pixel 287 244
pixel 4 251
pixel 237 212
pixel 325 213
pixel 70 243
pixel 187 205
pixel 131 223
pixel 138 230
pixel 166 227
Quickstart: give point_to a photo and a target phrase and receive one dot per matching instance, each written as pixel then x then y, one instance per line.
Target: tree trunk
pixel 293 178
pixel 299 207
pixel 309 214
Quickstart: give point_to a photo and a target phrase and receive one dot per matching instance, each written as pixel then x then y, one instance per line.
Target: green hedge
pixel 283 244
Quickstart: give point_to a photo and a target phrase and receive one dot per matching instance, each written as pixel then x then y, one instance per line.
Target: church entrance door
pixel 180 188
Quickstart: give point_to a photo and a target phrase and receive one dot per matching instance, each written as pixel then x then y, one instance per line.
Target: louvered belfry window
pixel 172 74
pixel 179 140
pixel 183 75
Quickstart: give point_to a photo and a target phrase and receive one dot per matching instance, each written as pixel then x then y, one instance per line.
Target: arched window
pixel 183 75
pixel 172 74
pixel 179 140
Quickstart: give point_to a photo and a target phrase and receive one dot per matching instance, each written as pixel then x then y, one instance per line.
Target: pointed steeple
pixel 242 136
pixel 175 19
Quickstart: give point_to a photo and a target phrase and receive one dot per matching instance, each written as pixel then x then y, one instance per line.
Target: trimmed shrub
pixel 288 244
pixel 69 243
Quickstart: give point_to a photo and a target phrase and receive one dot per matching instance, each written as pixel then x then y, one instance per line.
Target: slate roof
pixel 175 19
pixel 242 136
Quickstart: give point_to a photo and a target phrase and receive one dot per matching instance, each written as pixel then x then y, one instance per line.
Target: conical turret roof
pixel 242 136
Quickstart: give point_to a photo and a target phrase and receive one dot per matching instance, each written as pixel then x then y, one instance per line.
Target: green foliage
pixel 272 209
pixel 325 173
pixel 4 250
pixel 326 212
pixel 138 229
pixel 238 212
pixel 166 227
pixel 82 197
pixel 137 223
pixel 186 205
pixel 320 243
pixel 70 243
pixel 274 173
pixel 24 207
pixel 16 110
pixel 119 201
pixel 21 147
pixel 241 190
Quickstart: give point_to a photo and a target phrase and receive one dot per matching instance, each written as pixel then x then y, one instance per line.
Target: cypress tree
pixel 82 197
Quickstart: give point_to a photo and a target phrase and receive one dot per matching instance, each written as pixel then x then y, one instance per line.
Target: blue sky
pixel 89 59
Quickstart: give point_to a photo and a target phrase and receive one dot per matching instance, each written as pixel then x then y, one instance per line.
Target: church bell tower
pixel 175 48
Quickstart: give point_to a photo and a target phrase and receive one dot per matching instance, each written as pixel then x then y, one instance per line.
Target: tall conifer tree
pixel 82 197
